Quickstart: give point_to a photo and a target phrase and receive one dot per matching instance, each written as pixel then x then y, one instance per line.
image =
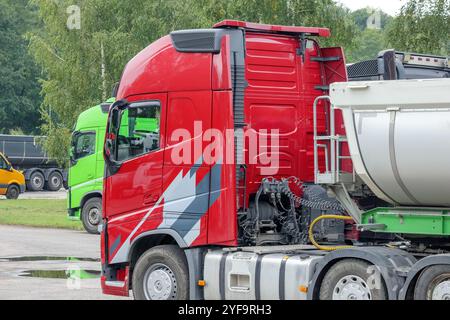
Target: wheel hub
pixel 14 192
pixel 351 287
pixel 442 291
pixel 160 283
pixel 37 181
pixel 94 216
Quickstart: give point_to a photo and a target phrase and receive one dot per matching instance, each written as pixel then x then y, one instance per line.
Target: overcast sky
pixel 391 7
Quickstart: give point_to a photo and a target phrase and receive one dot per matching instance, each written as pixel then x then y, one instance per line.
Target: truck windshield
pixel 138 131
pixel 83 145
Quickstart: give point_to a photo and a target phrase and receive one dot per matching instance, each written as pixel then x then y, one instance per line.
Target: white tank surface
pixel 399 138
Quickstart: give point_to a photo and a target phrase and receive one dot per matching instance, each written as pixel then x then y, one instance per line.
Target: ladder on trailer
pixel 333 177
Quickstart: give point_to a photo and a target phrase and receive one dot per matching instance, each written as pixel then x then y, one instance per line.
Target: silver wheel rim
pixel 37 181
pixel 351 287
pixel 160 283
pixel 94 216
pixel 441 291
pixel 55 181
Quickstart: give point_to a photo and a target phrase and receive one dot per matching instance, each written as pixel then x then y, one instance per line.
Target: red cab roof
pixel 321 32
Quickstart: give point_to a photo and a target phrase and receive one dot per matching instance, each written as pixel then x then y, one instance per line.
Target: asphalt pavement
pixel 43 264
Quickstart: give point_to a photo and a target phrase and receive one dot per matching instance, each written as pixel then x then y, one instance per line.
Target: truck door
pixel 136 185
pixel 83 160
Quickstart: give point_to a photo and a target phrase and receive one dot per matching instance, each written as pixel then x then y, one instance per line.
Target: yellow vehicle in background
pixel 12 182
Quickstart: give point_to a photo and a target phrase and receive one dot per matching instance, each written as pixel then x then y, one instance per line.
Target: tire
pixel 13 192
pixel 91 215
pixel 36 181
pixel 55 181
pixel 433 283
pixel 166 264
pixel 350 279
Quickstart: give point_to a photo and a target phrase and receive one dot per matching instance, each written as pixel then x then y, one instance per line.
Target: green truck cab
pixel 87 166
pixel 84 201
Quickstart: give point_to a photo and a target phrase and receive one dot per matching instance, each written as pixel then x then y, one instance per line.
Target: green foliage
pixel 361 16
pixel 19 88
pixel 370 43
pixel 16 132
pixel 423 26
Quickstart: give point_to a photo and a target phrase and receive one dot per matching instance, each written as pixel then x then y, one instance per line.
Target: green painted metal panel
pixel 421 221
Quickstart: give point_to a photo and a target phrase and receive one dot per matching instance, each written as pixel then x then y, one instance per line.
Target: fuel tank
pixel 255 276
pixel 399 138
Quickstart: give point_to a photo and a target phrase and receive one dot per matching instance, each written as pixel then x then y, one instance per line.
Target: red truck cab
pixel 234 107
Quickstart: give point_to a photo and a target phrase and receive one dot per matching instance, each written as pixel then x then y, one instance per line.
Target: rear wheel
pixel 433 284
pixel 55 181
pixel 352 279
pixel 13 192
pixel 36 181
pixel 91 215
pixel 161 273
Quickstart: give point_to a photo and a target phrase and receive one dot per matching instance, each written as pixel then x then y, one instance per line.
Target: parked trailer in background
pixel 345 199
pixel 26 154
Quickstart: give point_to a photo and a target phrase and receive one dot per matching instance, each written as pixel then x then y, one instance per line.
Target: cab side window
pixel 139 130
pixel 84 145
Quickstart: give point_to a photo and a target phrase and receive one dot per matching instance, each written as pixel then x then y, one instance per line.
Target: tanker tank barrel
pixel 399 138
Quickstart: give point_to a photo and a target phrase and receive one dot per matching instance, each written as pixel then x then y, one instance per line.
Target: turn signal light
pixel 201 283
pixel 303 289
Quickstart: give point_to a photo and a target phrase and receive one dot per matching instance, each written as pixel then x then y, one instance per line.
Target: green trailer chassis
pixel 407 220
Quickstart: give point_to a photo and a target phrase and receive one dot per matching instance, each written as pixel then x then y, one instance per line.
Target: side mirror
pixel 9 167
pixel 112 165
pixel 72 156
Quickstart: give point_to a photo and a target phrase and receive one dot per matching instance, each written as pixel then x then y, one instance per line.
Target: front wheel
pixel 161 273
pixel 433 284
pixel 91 215
pixel 353 279
pixel 13 192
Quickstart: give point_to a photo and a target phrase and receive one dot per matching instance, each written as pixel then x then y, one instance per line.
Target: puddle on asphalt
pixel 61 274
pixel 47 258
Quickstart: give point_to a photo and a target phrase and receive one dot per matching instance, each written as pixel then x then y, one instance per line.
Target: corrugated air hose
pixel 311 234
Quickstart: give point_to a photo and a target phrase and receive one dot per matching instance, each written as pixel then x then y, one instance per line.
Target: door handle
pixel 358 87
pixel 150 198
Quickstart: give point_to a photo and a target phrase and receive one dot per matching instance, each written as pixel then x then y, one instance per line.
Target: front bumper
pixel 22 188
